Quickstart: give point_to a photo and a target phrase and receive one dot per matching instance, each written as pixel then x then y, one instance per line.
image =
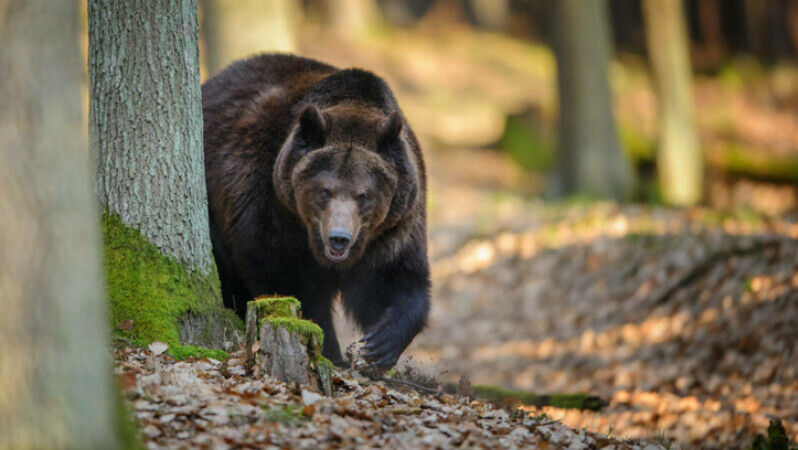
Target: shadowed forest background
pixel 612 207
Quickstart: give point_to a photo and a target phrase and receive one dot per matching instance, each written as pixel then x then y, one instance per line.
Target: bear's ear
pixel 312 127
pixel 389 134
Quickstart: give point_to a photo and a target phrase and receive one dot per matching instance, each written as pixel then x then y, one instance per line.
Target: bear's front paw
pixel 382 348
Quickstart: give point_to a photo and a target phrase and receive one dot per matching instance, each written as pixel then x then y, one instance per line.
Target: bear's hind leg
pixel 234 295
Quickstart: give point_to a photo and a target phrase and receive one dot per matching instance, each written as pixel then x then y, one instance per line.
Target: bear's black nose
pixel 339 239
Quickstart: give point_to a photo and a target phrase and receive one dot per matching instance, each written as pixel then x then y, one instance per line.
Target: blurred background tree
pixel 589 158
pixel 680 164
pixel 353 19
pixel 235 29
pixel 56 384
pixel 489 14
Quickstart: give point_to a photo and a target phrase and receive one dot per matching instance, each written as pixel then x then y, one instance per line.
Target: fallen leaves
pixel 688 326
pixel 203 403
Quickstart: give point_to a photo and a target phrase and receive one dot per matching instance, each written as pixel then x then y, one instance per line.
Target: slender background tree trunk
pixel 236 29
pixel 755 23
pixel 712 51
pixel 680 163
pixel 55 375
pixel 353 19
pixel 146 122
pixel 589 155
pixel 490 14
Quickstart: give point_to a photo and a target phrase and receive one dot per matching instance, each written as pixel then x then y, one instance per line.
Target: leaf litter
pixel 203 403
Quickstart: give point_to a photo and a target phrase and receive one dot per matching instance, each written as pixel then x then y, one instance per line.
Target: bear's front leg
pixel 316 298
pixel 391 306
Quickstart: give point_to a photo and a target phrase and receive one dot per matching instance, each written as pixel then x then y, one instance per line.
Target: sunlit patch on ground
pixel 686 321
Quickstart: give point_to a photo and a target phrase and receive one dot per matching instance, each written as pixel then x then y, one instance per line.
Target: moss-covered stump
pixel 289 348
pixel 154 298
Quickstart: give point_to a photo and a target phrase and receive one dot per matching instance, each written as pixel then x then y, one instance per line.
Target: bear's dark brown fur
pixel 316 186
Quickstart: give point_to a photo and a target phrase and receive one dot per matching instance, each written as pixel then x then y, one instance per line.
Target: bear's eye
pixel 326 194
pixel 362 197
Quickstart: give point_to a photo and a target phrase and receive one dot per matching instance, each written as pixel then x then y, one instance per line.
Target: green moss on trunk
pixel 158 293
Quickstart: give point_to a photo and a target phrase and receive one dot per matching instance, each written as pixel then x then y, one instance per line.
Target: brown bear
pixel 317 188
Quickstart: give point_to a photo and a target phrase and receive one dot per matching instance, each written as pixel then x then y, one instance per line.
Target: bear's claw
pixel 381 349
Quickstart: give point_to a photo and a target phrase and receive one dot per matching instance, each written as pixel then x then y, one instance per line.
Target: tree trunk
pixel 490 14
pixel 679 159
pixel 756 17
pixel 792 23
pixel 56 388
pixel 712 51
pixel 146 122
pixel 235 29
pixel 590 160
pixel 353 19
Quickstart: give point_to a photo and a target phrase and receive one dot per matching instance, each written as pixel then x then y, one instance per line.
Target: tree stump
pixel 285 346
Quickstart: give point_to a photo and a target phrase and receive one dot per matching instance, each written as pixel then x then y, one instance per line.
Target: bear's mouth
pixel 336 256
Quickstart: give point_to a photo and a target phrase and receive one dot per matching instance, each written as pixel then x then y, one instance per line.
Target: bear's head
pixel 349 174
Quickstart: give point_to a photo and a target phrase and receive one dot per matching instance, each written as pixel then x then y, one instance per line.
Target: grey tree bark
pixel 589 157
pixel 235 29
pixel 56 386
pixel 146 122
pixel 680 163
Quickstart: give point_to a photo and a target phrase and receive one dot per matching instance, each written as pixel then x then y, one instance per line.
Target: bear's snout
pixel 341 225
pixel 339 239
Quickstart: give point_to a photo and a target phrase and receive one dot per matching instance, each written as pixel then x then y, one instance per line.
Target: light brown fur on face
pixel 338 172
pixel 342 188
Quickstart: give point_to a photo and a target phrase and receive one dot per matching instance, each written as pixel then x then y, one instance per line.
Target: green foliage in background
pixel 740 160
pixel 527 145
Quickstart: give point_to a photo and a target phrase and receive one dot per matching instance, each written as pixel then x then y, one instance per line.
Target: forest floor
pixel 204 403
pixel 685 320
